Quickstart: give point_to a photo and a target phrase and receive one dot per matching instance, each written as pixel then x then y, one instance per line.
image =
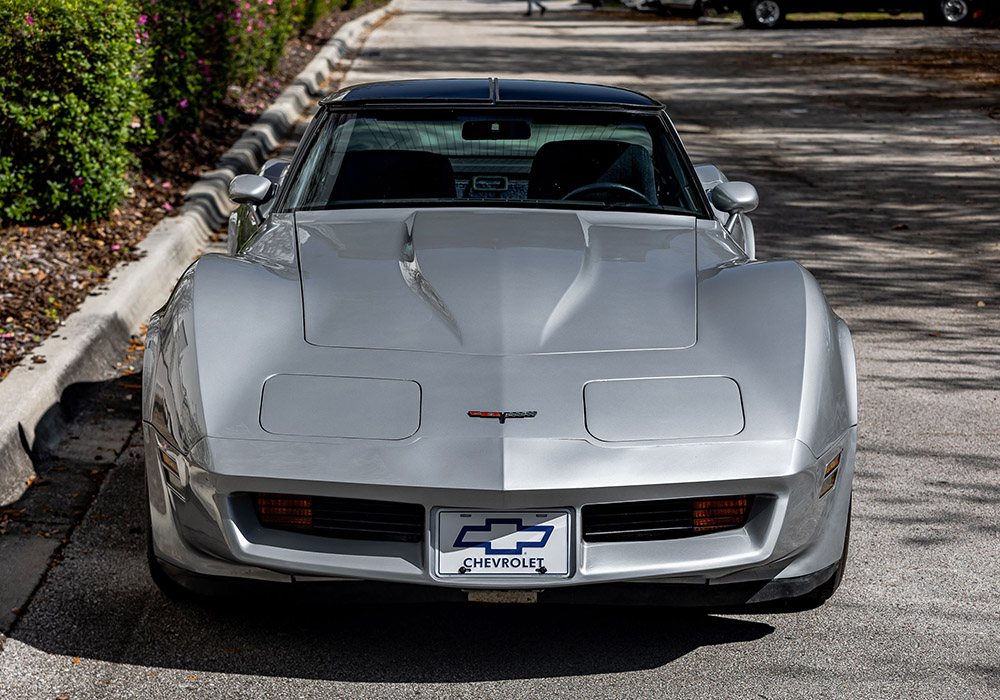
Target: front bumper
pixel 792 541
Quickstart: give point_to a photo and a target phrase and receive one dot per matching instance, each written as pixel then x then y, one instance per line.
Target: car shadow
pixel 424 643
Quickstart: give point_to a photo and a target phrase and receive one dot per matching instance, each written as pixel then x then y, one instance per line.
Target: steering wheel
pixel 614 186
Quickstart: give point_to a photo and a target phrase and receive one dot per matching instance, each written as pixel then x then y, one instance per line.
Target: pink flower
pixel 156 18
pixel 165 184
pixel 136 122
pixel 116 247
pixel 7 335
pixel 194 136
pixel 159 119
pixel 183 103
pixel 76 183
pixel 166 205
pixel 31 22
pixel 142 19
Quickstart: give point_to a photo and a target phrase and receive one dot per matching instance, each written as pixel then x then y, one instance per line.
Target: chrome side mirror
pixel 250 189
pixel 735 197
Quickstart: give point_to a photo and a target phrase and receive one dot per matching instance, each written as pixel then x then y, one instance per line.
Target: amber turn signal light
pixel 723 513
pixel 281 510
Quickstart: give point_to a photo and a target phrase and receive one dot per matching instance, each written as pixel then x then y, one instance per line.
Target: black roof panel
pixel 490 90
pixel 462 89
pixel 550 91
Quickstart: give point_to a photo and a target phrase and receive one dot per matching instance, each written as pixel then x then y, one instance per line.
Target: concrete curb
pixel 95 336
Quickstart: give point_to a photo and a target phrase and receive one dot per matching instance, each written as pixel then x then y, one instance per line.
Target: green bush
pixel 82 81
pixel 306 13
pixel 71 104
pixel 197 48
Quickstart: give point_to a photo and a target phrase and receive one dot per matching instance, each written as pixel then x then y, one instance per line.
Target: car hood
pixel 488 282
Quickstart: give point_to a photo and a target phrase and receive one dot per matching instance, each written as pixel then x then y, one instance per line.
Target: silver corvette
pixel 499 340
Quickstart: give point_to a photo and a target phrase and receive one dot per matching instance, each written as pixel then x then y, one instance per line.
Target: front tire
pixel 763 14
pixel 949 12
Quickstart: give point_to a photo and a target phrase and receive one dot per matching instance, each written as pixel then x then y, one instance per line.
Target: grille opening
pixel 640 521
pixel 343 518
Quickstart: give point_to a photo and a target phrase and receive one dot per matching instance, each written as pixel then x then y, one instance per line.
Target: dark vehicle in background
pixel 768 14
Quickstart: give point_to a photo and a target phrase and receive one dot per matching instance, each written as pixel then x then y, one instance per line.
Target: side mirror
pixel 735 197
pixel 250 189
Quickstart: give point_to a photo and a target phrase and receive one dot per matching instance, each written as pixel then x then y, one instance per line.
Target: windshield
pixel 552 158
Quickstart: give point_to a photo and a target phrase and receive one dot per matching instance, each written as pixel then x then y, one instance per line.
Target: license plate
pixel 478 544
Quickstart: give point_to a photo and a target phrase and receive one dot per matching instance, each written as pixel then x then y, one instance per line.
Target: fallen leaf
pixel 980 304
pixel 76 660
pixel 900 227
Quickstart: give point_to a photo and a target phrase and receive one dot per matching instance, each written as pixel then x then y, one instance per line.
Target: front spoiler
pixel 776 595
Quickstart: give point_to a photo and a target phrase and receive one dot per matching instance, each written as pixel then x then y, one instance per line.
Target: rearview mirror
pixel 250 189
pixel 496 130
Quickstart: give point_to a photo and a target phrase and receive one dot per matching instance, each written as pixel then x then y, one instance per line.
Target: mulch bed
pixel 47 270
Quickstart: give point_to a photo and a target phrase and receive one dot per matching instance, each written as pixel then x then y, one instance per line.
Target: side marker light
pixel 834 463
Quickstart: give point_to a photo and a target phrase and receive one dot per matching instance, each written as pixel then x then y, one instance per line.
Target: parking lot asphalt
pixel 879 172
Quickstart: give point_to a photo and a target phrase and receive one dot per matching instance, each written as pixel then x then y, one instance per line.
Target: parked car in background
pixel 768 14
pixel 682 8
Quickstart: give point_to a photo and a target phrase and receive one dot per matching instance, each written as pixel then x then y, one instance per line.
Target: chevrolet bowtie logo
pixel 504 415
pixel 491 536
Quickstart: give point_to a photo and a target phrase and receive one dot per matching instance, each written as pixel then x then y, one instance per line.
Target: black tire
pixel 763 14
pixel 949 12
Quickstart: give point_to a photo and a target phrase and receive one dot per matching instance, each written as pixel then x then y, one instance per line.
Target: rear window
pixel 551 158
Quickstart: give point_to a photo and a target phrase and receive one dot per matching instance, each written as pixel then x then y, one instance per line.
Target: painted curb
pixel 95 336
